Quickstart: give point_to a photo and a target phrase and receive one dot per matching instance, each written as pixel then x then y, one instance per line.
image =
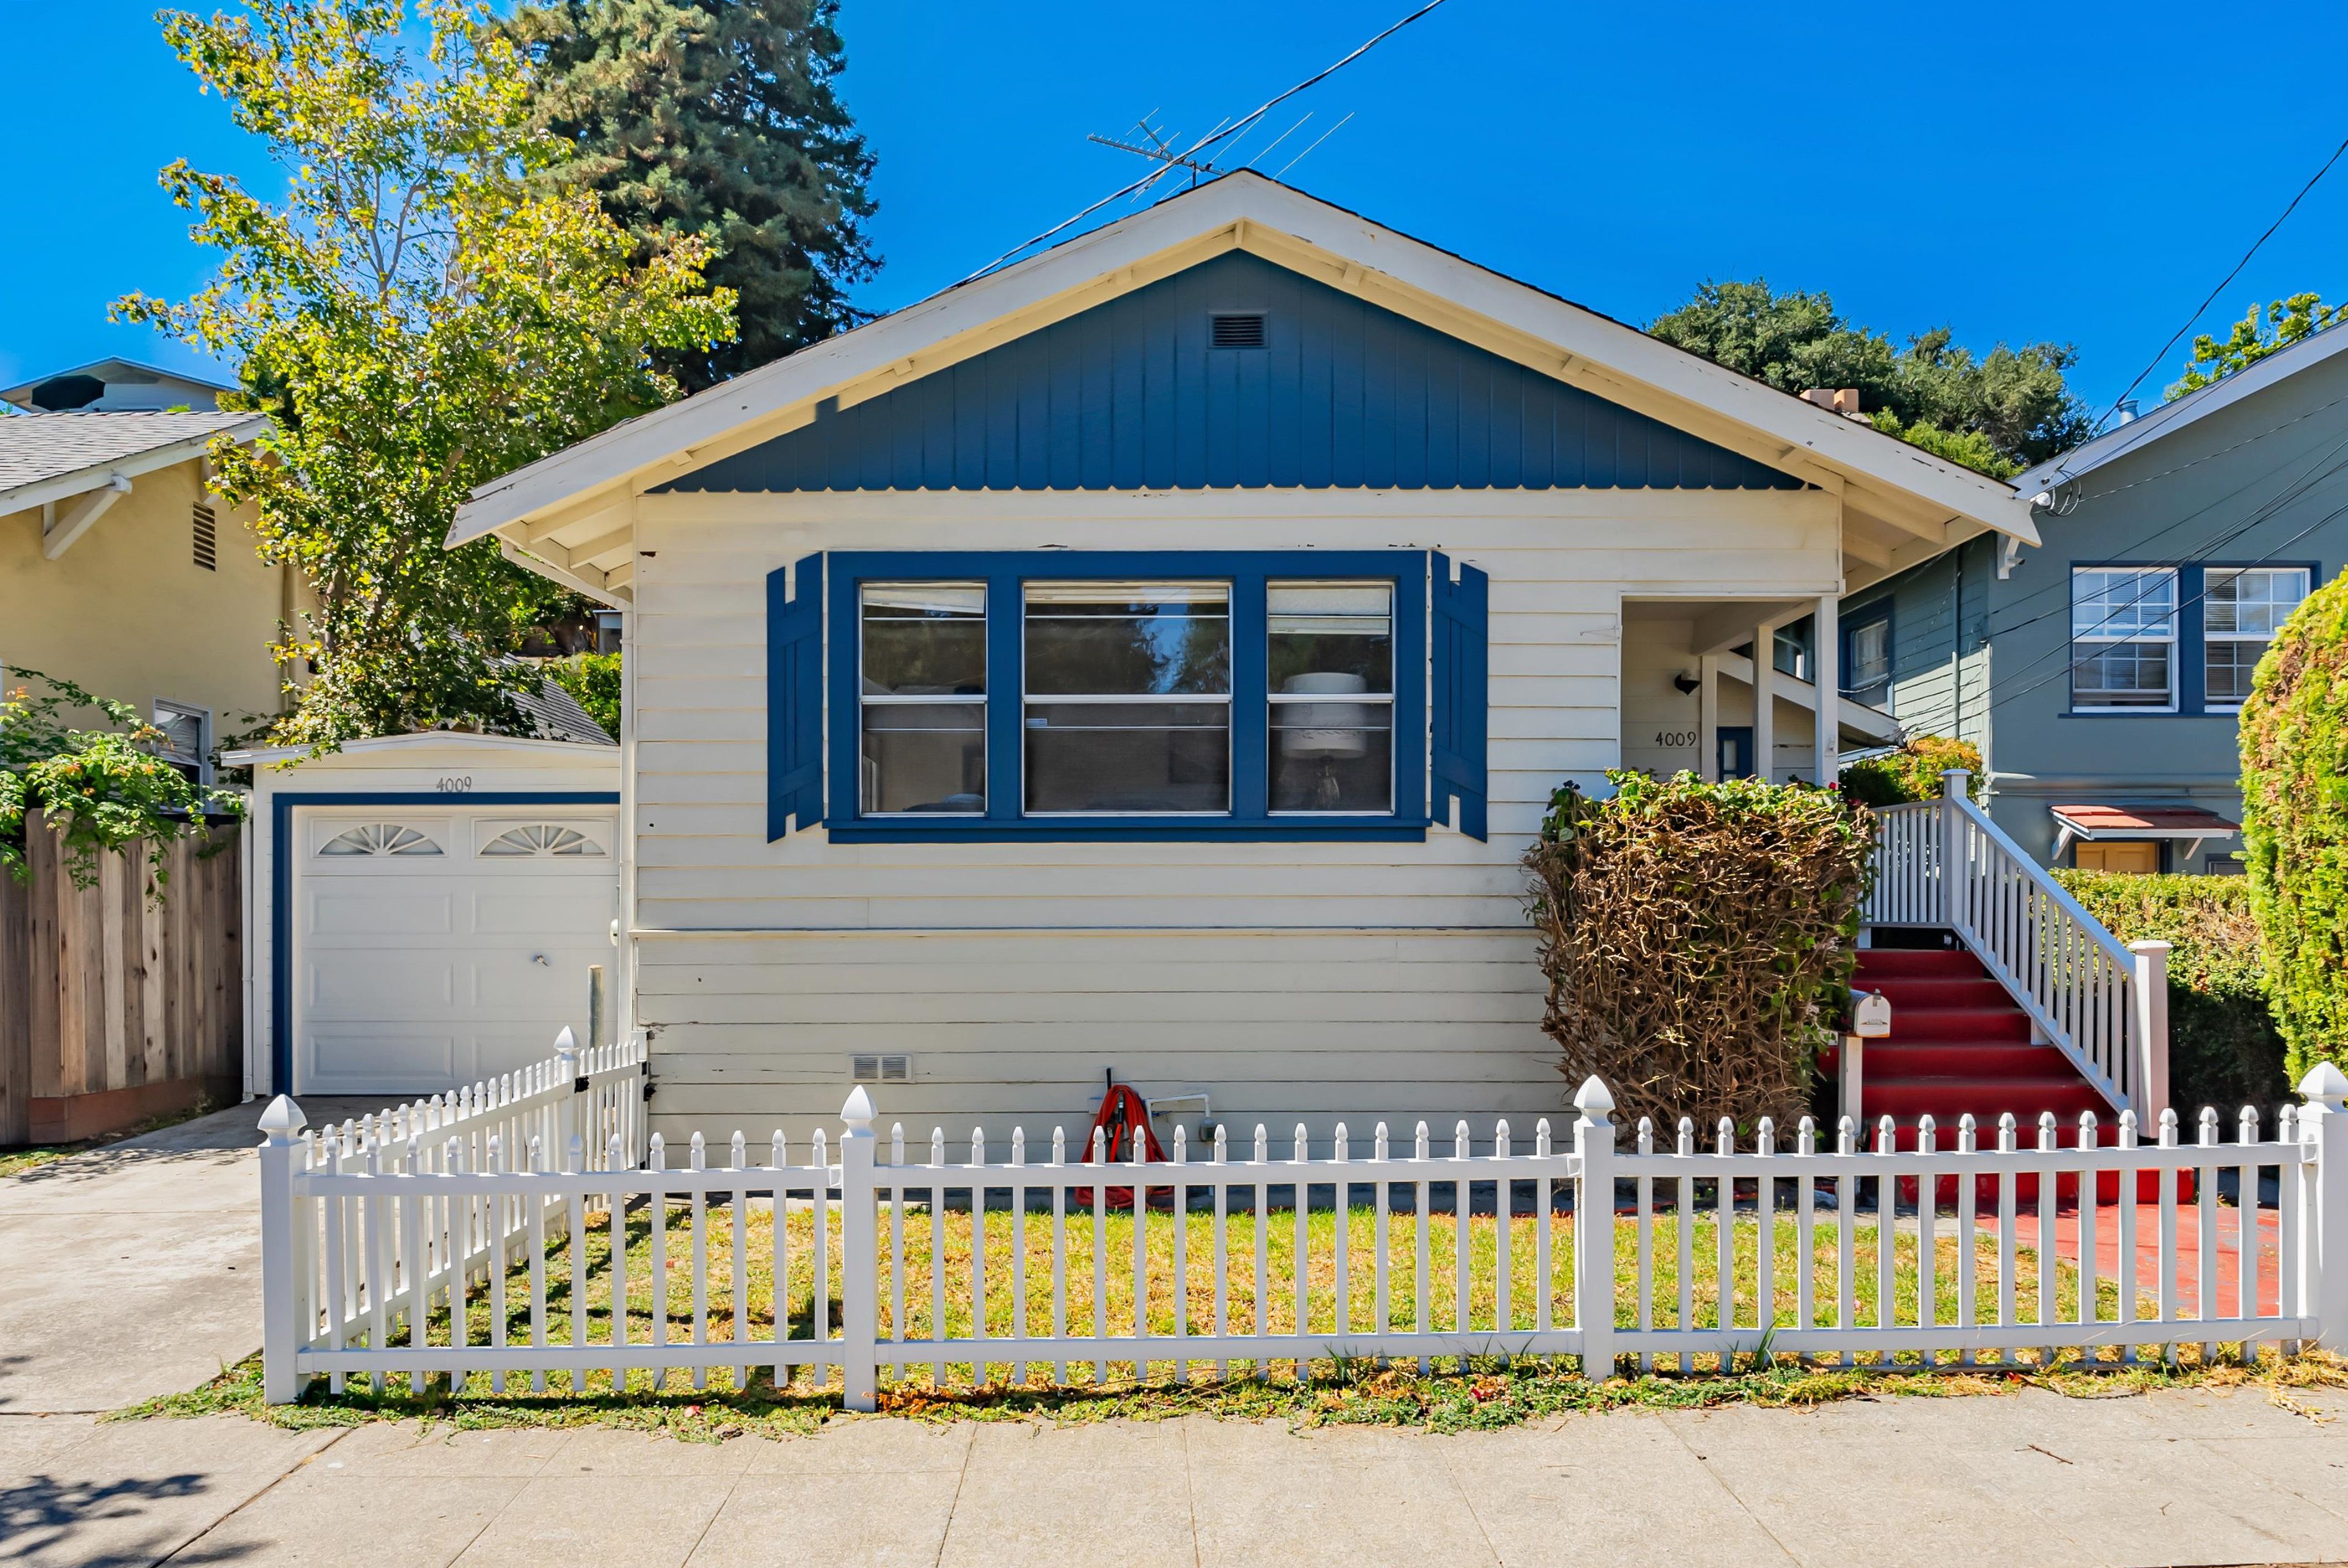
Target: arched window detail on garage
pixel 380 838
pixel 543 838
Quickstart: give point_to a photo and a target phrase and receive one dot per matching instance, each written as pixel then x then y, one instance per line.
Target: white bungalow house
pixel 1154 657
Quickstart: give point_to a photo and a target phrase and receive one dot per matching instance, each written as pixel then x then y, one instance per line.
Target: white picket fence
pixel 2104 1005
pixel 376 1267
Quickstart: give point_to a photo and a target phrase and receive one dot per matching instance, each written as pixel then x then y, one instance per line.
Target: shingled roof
pixel 38 448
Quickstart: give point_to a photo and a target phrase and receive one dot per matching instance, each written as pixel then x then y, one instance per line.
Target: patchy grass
pixel 16 1162
pixel 1452 1393
pixel 1484 1394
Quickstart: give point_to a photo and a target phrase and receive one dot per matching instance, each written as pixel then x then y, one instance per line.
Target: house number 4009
pixel 456 787
pixel 1675 737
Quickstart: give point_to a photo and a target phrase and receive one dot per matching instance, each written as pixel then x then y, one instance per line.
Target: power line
pixel 1212 138
pixel 2225 282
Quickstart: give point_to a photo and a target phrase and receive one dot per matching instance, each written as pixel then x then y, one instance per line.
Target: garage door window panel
pixel 540 840
pixel 380 838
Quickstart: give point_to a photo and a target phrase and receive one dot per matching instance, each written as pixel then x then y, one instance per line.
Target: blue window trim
pixel 1003 571
pixel 281 883
pixel 2192 634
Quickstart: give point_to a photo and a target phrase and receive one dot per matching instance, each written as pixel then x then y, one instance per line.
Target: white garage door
pixel 436 948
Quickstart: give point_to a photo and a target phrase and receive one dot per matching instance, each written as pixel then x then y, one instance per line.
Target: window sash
pixel 2115 608
pixel 2232 651
pixel 1236 584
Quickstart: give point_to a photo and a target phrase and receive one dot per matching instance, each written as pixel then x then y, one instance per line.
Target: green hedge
pixel 2294 733
pixel 2224 1049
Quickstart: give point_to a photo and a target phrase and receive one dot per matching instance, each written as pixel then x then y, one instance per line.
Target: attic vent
pixel 207 541
pixel 883 1068
pixel 1239 329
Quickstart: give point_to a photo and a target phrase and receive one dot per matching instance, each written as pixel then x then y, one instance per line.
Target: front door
pixel 1736 751
pixel 2137 857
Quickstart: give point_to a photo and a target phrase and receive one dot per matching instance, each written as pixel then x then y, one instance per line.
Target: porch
pixel 1691 695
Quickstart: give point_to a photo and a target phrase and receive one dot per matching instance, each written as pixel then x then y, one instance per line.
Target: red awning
pixel 2095 822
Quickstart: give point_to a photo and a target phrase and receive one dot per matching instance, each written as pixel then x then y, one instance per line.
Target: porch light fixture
pixel 1687 681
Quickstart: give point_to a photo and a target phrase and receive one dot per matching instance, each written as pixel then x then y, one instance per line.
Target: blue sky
pixel 2014 171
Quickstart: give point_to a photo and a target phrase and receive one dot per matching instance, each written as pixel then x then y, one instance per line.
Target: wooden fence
pixel 114 1008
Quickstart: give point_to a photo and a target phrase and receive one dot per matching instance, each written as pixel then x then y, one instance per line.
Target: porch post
pixel 1708 722
pixel 1765 704
pixel 1826 671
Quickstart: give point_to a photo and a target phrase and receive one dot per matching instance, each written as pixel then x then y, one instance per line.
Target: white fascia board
pixel 1804 430
pixel 461 739
pixel 2171 417
pixel 81 481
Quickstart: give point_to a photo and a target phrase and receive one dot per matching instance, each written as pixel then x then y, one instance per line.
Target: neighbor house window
pixel 187 738
pixel 924 698
pixel 1331 648
pixel 1866 661
pixel 2241 607
pixel 1128 699
pixel 2124 638
pixel 1789 650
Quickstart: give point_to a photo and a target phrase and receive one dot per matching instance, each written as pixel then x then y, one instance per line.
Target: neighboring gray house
pixel 2100 673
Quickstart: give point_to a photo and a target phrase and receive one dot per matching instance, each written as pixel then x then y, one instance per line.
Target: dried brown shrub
pixel 1698 941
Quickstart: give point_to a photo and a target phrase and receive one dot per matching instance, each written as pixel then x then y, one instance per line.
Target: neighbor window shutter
pixel 795 697
pixel 1462 625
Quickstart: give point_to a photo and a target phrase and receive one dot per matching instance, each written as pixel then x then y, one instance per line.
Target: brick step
pixel 1979 1060
pixel 1999 1025
pixel 1905 991
pixel 1922 963
pixel 1946 1100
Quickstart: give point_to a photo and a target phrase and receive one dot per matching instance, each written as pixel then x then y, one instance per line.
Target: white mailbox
pixel 1870 1015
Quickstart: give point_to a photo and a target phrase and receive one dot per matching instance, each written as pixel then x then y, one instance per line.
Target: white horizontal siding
pixel 1316 981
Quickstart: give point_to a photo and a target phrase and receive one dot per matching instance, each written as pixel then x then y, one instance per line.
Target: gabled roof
pixel 51 456
pixel 571 515
pixel 2184 412
pixel 179 385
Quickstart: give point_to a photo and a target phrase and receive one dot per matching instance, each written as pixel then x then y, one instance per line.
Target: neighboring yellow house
pixel 121 571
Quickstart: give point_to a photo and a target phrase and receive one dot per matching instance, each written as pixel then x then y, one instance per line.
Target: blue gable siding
pixel 1129 396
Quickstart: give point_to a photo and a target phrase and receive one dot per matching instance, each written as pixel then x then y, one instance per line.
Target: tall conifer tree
pixel 719 118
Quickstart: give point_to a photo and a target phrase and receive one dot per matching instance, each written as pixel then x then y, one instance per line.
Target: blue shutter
pixel 795 698
pixel 1462 626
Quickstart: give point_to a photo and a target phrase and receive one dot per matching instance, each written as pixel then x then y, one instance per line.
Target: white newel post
pixel 2324 1216
pixel 1954 782
pixel 567 1124
pixel 1593 1230
pixel 860 1256
pixel 2148 999
pixel 282 1252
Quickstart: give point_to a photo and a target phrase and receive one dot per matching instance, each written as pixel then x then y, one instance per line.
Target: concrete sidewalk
pixel 133 1269
pixel 2035 1479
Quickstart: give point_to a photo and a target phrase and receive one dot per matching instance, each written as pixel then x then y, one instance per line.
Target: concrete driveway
pixel 134 1269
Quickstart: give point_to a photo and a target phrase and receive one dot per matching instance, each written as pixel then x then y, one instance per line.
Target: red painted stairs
pixel 1960 1044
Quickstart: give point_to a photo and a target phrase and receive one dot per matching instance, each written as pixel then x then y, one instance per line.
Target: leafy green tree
pixel 720 119
pixel 98 790
pixel 1996 413
pixel 2294 731
pixel 593 681
pixel 418 315
pixel 2287 322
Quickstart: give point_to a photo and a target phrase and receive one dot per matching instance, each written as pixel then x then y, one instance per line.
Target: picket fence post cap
pixel 2325 1084
pixel 1592 1099
pixel 566 1043
pixel 858 1112
pixel 283 1119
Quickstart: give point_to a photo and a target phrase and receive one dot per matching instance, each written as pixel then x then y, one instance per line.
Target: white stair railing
pixel 2104 1005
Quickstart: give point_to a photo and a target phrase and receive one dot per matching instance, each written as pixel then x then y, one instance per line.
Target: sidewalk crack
pixel 255 1496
